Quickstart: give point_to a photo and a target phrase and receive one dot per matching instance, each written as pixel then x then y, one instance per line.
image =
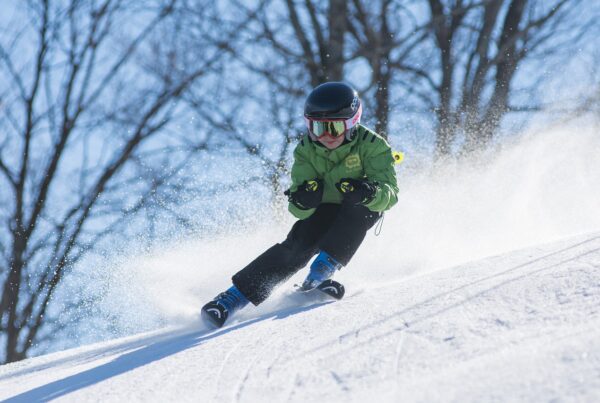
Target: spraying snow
pixel 542 188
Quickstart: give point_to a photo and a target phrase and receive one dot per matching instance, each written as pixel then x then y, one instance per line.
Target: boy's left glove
pixel 357 191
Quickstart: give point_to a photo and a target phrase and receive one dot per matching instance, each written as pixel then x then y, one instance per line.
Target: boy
pixel 343 178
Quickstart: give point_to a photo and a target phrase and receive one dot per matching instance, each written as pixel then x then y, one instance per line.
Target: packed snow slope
pixel 521 326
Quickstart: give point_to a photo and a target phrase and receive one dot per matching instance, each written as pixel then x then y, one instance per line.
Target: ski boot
pixel 225 304
pixel 321 269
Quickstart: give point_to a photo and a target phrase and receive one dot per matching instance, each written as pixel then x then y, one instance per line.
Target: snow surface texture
pixel 424 319
pixel 523 326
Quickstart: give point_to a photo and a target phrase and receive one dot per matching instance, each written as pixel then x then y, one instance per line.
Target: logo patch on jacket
pixel 353 162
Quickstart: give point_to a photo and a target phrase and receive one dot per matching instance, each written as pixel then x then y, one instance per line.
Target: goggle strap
pixel 354 120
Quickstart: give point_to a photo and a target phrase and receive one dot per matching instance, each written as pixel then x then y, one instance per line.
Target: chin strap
pixel 350 133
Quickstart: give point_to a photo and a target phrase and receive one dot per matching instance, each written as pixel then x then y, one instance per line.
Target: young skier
pixel 343 178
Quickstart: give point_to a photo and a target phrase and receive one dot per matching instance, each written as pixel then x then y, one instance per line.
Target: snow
pixel 483 286
pixel 521 326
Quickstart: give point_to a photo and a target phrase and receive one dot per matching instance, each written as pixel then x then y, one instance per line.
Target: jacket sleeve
pixel 302 170
pixel 378 163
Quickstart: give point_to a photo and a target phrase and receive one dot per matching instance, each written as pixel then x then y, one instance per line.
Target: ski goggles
pixel 333 127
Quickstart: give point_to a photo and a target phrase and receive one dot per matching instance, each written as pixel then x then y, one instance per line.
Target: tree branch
pixel 311 62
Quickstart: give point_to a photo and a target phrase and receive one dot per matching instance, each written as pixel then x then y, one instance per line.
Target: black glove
pixel 356 191
pixel 308 195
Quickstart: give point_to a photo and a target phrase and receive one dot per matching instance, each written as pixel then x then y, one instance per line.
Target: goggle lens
pixel 335 128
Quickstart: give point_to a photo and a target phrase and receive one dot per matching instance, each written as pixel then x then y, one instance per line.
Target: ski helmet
pixel 333 108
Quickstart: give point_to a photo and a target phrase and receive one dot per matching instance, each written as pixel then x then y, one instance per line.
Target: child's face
pixel 330 142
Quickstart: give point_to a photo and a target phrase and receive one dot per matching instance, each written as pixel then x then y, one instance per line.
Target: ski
pixel 332 288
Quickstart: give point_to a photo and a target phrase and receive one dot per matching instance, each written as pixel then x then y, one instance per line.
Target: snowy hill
pixel 522 326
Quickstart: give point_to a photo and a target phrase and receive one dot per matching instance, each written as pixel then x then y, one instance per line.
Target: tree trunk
pixel 334 61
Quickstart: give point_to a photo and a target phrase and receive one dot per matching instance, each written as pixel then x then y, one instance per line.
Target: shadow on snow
pixel 155 351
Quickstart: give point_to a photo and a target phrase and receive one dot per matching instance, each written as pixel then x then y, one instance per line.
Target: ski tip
pixel 332 288
pixel 213 315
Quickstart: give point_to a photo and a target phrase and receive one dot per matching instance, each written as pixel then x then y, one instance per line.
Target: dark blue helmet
pixel 333 100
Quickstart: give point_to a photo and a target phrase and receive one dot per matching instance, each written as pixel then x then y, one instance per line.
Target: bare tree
pixel 586 104
pixel 385 33
pixel 479 47
pixel 458 59
pixel 288 50
pixel 316 45
pixel 319 29
pixel 80 142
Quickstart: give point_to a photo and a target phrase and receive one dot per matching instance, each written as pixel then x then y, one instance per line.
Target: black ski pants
pixel 337 229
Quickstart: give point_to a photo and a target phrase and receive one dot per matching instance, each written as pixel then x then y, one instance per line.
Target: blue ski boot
pixel 225 304
pixel 321 269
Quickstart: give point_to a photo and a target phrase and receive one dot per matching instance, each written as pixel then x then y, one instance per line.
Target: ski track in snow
pixel 523 326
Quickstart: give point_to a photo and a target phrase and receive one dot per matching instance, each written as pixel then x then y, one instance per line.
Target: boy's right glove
pixel 308 195
pixel 356 191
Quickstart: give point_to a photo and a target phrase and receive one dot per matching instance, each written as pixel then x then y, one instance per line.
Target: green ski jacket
pixel 367 156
